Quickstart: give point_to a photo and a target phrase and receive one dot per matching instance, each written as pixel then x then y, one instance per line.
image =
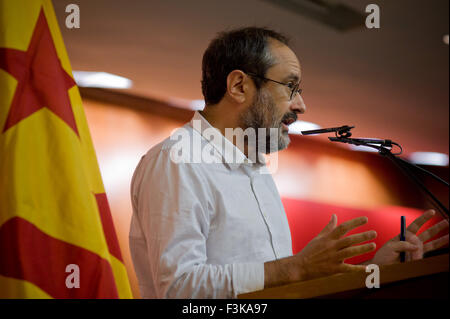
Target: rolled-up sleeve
pixel 172 210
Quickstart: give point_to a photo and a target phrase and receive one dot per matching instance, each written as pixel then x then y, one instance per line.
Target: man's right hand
pixel 324 255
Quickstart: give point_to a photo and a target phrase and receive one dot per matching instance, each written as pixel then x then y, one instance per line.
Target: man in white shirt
pixel 207 220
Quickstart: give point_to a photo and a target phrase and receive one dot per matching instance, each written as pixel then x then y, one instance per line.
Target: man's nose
pixel 298 105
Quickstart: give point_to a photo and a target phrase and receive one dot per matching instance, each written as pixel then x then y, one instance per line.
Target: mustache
pixel 290 115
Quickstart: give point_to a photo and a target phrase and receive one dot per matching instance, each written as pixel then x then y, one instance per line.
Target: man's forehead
pixel 286 62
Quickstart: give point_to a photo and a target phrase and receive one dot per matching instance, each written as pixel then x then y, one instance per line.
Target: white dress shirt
pixel 204 230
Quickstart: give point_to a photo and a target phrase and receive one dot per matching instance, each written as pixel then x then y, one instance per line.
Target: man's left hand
pixel 414 246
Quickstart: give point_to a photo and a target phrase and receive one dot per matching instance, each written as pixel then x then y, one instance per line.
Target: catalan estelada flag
pixel 57 238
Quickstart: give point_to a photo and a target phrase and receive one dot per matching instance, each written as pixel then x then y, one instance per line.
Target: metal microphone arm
pixel 400 163
pixel 384 148
pixel 341 130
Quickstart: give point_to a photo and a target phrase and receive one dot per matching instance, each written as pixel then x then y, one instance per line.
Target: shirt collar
pixel 233 156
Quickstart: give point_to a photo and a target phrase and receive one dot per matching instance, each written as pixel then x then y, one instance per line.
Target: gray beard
pixel 262 113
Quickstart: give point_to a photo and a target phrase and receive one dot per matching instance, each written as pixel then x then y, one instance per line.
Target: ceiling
pixel 390 82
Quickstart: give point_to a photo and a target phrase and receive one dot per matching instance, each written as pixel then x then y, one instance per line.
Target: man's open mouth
pixel 288 121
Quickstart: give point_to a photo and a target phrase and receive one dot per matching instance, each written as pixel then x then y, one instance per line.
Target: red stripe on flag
pixel 29 254
pixel 108 225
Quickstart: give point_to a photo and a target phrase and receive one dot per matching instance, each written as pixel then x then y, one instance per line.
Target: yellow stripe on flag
pixel 16 288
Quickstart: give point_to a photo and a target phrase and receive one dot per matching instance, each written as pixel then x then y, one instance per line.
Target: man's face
pixel 263 113
pixel 271 106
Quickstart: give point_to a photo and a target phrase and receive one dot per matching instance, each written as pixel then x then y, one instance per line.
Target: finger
pixel 355 251
pixel 344 228
pixel 433 231
pixel 355 239
pixel 400 246
pixel 350 268
pixel 418 222
pixel 330 226
pixel 413 239
pixel 435 244
pixel 415 255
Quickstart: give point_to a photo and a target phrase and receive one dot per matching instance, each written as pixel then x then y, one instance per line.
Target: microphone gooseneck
pixel 384 148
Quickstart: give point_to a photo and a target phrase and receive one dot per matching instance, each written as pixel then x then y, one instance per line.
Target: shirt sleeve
pixel 173 203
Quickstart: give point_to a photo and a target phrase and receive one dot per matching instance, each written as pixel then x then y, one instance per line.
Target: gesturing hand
pixel 414 245
pixel 325 254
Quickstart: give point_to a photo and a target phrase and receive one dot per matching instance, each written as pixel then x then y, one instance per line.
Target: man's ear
pixel 238 86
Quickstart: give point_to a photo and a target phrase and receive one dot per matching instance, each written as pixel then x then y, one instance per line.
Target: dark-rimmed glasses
pixel 294 87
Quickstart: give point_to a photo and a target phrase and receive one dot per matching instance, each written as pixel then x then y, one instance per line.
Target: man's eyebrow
pixel 293 77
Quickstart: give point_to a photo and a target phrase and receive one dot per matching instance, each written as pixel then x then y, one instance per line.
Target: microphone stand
pixel 384 148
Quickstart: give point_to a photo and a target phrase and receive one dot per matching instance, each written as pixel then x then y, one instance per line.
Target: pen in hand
pixel 402 236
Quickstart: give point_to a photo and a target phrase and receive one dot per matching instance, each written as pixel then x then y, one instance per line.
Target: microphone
pixel 343 135
pixel 363 141
pixel 340 130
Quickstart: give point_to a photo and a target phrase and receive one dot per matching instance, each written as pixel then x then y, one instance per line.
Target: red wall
pixel 306 219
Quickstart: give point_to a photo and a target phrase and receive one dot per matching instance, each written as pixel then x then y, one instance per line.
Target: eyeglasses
pixel 294 87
